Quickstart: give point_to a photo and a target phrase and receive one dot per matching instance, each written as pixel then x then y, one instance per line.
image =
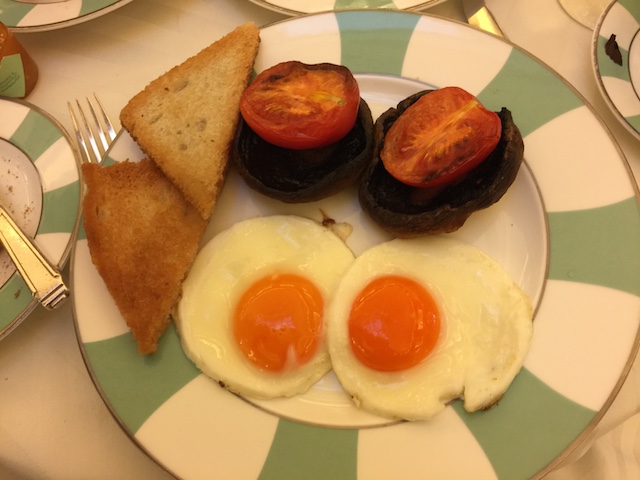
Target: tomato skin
pixel 439 138
pixel 299 106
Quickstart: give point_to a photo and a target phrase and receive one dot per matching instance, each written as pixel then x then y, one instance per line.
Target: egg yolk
pixel 394 324
pixel 278 320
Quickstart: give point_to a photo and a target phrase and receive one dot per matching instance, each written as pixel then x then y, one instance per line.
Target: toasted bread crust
pixel 143 237
pixel 185 120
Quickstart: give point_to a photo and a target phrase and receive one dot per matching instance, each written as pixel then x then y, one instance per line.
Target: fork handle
pixel 43 280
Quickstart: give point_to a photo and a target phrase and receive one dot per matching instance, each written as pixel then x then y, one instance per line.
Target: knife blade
pixel 479 16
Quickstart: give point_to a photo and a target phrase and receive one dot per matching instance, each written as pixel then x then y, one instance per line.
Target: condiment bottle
pixel 18 71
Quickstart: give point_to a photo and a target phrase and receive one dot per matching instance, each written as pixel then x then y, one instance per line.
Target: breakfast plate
pixel 567 232
pixel 27 17
pixel 297 7
pixel 40 188
pixel 616 61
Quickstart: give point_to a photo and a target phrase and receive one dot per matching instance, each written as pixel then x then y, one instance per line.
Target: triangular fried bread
pixel 143 237
pixel 185 120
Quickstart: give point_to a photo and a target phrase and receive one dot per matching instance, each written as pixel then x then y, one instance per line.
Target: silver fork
pixel 94 142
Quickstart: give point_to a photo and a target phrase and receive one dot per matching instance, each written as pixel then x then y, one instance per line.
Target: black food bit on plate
pixel 612 50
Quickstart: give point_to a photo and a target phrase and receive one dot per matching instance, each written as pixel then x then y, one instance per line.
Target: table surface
pixel 53 422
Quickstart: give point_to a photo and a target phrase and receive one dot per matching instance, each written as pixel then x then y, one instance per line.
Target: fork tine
pixel 90 136
pixel 102 134
pixel 92 149
pixel 86 156
pixel 105 118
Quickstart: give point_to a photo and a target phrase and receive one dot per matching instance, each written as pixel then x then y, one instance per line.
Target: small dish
pixel 616 61
pixel 40 188
pixel 24 17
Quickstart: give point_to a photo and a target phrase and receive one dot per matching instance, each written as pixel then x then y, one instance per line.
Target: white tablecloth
pixel 53 423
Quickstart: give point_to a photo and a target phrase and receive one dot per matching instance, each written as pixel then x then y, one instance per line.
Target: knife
pixel 44 281
pixel 479 16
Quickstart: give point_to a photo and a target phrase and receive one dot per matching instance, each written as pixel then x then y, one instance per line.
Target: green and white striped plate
pixel 40 187
pixel 24 17
pixel 568 232
pixel 297 7
pixel 620 83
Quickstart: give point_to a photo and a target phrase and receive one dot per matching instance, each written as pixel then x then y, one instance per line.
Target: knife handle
pixel 44 281
pixel 484 20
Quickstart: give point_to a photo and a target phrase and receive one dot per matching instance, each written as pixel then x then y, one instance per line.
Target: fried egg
pixel 417 323
pixel 251 314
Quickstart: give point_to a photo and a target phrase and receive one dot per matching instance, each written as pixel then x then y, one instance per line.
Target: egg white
pixel 486 329
pixel 225 268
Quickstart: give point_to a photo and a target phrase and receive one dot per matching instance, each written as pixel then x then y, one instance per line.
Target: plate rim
pixel 274 7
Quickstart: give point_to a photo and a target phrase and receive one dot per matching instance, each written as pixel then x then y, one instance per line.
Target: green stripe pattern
pixel 389 35
pixel 35 145
pixel 15 299
pixel 136 385
pixel 528 427
pixel 522 80
pixel 11 13
pixel 313 453
pixel 90 6
pixel 631 6
pixel 597 246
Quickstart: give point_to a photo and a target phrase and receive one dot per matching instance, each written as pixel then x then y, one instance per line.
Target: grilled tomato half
pixel 439 138
pixel 298 106
pixel 405 210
